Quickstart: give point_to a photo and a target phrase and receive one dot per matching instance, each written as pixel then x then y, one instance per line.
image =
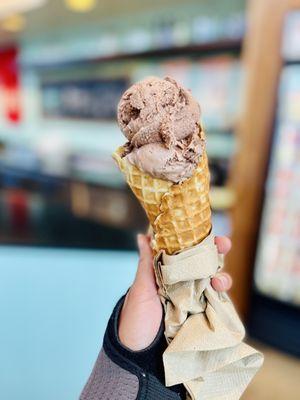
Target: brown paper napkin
pixel 206 351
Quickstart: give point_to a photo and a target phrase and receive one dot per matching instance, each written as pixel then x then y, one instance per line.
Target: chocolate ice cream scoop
pixel 160 119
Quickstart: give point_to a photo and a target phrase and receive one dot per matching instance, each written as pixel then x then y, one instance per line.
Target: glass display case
pixel 56 168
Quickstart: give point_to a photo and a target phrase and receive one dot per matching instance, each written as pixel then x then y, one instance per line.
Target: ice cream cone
pixel 165 164
pixel 179 214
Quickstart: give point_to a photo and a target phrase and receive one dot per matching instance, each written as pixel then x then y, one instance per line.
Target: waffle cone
pixel 179 214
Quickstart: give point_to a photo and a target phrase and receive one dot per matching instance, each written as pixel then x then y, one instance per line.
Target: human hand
pixel 142 311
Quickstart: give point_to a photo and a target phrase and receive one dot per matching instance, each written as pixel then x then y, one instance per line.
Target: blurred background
pixel 67 219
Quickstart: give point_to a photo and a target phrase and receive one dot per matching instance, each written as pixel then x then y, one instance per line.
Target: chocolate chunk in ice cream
pixel 161 121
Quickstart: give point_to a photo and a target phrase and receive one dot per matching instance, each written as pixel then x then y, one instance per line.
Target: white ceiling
pixel 7 7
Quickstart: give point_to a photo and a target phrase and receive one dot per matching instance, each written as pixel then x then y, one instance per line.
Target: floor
pixel 279 378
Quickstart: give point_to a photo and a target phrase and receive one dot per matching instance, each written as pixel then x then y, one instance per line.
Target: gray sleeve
pixel 108 381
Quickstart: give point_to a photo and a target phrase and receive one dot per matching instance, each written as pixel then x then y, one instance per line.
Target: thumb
pixel 145 277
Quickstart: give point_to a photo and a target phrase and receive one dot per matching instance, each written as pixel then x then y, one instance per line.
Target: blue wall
pixel 54 305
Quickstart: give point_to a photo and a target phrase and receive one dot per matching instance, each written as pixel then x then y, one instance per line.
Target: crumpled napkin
pixel 206 351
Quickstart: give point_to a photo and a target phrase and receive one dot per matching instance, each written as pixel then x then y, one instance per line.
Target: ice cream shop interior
pixel 68 220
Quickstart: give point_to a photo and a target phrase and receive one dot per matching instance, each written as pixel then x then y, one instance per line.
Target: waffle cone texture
pixel 179 214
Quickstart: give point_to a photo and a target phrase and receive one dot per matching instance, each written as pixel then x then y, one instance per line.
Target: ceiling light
pixel 15 23
pixel 9 7
pixel 81 5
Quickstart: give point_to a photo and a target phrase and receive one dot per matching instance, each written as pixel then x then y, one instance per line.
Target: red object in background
pixel 10 84
pixel 18 210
